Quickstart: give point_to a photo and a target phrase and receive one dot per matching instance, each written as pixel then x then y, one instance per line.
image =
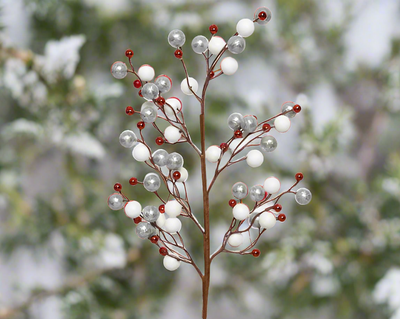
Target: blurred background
pixel 65 254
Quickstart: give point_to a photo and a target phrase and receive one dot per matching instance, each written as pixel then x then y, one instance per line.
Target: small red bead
pixel 262 15
pixel 159 140
pixel 140 93
pixel 129 53
pixel 137 220
pixel 297 108
pixel 163 251
pixel 299 177
pixel 154 239
pixel 282 217
pixel 176 175
pixel 141 125
pixel 266 127
pixel 117 187
pixel 160 101
pixel 238 134
pixel 232 203
pixel 212 74
pixel 213 29
pixel 178 54
pixel 277 208
pixel 223 147
pixel 137 84
pixel 129 110
pixel 256 253
pixel 161 208
pixel 133 181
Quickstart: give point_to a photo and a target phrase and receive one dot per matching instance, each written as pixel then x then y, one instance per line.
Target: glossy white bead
pixel 245 27
pixel 272 185
pixel 146 73
pixel 282 124
pixel 241 211
pixel 254 158
pixel 185 88
pixel 235 240
pixel 184 175
pixel 133 209
pixel 161 220
pixel 267 220
pixel 173 225
pixel 229 66
pixel 213 153
pixel 216 44
pixel 141 153
pixel 172 134
pixel 171 263
pixel 173 208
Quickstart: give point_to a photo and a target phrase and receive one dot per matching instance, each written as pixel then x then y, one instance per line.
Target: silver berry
pixel 303 196
pixel 152 182
pixel 119 70
pixel 240 190
pixel 288 106
pixel 256 222
pixel 116 201
pixel 257 193
pixel 174 161
pixel 249 123
pixel 268 143
pixel 176 38
pixel 236 44
pixel 200 44
pixel 160 157
pixel 151 213
pixel 148 115
pixel 163 83
pixel 150 91
pixel 144 230
pixel 235 121
pixel 128 139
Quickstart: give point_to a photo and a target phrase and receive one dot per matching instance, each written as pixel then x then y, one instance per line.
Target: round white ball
pixel 172 134
pixel 213 153
pixel 146 73
pixel 282 124
pixel 241 211
pixel 133 209
pixel 173 208
pixel 229 66
pixel 171 263
pixel 267 220
pixel 185 88
pixel 272 185
pixel 184 175
pixel 255 158
pixel 174 105
pixel 216 44
pixel 245 27
pixel 173 225
pixel 161 221
pixel 235 240
pixel 141 153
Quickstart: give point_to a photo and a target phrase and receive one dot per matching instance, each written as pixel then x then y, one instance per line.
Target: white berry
pixel 172 134
pixel 229 66
pixel 267 220
pixel 173 225
pixel 171 263
pixel 272 185
pixel 216 44
pixel 245 27
pixel 184 175
pixel 235 240
pixel 185 88
pixel 161 221
pixel 213 153
pixel 282 124
pixel 146 73
pixel 173 208
pixel 254 158
pixel 133 209
pixel 141 153
pixel 241 211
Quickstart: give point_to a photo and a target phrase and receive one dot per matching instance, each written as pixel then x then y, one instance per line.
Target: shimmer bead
pixel 257 193
pixel 264 18
pixel 150 91
pixel 288 106
pixel 145 230
pixel 249 123
pixel 150 213
pixel 235 121
pixel 200 44
pixel 128 139
pixel 240 190
pixel 303 196
pixel 160 157
pixel 148 115
pixel 151 182
pixel 236 44
pixel 176 38
pixel 116 201
pixel 268 143
pixel 174 161
pixel 119 70
pixel 164 83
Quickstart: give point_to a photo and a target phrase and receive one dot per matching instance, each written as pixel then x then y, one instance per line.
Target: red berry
pixel 141 125
pixel 161 208
pixel 299 177
pixel 213 29
pixel 297 108
pixel 159 140
pixel 129 53
pixel 154 239
pixel 176 175
pixel 266 127
pixel 262 15
pixel 223 147
pixel 256 253
pixel 178 54
pixel 163 251
pixel 212 74
pixel 117 187
pixel 282 217
pixel 160 101
pixel 129 110
pixel 232 203
pixel 238 134
pixel 133 181
pixel 137 220
pixel 277 208
pixel 137 84
pixel 140 93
